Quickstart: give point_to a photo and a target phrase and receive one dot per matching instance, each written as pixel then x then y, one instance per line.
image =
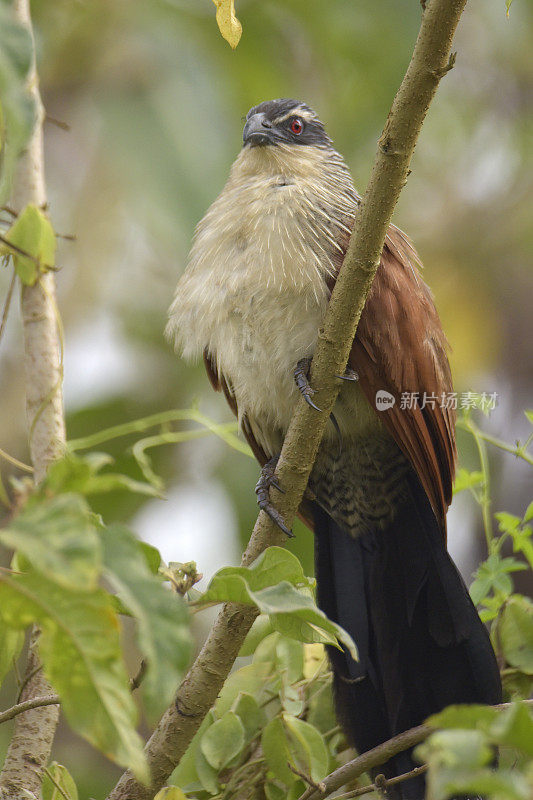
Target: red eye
pixel 296 126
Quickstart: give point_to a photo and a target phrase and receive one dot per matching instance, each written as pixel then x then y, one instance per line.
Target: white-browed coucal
pixel 252 299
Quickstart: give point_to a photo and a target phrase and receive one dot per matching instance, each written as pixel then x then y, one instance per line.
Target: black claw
pixel 300 376
pixel 309 401
pixel 266 480
pixel 349 375
pixel 276 485
pixel 275 516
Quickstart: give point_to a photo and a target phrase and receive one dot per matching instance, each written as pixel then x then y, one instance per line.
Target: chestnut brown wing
pixel 400 347
pixel 220 384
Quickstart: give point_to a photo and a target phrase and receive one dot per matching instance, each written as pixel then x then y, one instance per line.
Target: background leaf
pixel 62 778
pixel 80 650
pixel 162 617
pixel 223 740
pixel 59 539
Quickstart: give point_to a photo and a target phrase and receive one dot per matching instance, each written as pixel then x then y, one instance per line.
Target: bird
pixel 262 266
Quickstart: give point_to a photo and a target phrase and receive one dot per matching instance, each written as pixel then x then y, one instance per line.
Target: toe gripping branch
pixel 267 479
pixel 301 374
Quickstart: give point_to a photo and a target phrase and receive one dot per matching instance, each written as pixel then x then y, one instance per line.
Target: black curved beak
pixel 257 131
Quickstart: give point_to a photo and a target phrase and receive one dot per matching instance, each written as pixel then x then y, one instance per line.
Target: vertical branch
pixel 29 750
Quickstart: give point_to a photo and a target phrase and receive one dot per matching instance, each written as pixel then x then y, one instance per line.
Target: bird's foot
pixel 267 479
pixel 301 373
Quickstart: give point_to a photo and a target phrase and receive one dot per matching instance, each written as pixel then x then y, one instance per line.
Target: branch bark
pixel 30 746
pixel 197 693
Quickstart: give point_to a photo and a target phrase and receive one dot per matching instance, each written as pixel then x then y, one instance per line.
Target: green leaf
pixel 18 111
pixel 515 632
pixel 170 793
pixel 234 584
pixel 162 616
pixel 276 751
pixel 290 659
pixel 321 713
pixel 529 513
pixel 250 713
pixel 59 539
pixel 467 480
pixel 493 575
pixel 11 642
pixel 471 717
pixel 514 728
pixel 507 523
pixel 297 789
pixel 291 700
pixel 500 784
pixel 295 614
pixel 516 684
pixel 455 748
pixel 80 650
pixel 252 679
pixel 63 779
pixel 33 234
pixel 529 415
pixel 275 792
pixel 310 744
pixel 292 612
pixel 261 628
pixel 152 556
pixel 207 775
pixel 223 740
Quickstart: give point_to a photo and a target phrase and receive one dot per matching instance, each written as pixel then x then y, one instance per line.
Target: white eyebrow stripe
pixel 298 112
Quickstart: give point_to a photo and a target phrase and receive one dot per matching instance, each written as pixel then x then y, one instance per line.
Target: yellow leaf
pixel 228 24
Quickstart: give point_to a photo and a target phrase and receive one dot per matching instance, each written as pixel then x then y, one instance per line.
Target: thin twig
pixel 136 681
pixel 27 705
pixel 57 122
pixel 385 783
pixel 27 679
pixel 15 461
pixel 306 778
pixel 520 450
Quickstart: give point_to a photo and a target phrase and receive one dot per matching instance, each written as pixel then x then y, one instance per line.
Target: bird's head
pixel 283 122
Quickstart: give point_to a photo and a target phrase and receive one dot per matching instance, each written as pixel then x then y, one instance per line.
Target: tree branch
pixel 377 756
pixel 206 677
pixel 27 705
pixel 30 747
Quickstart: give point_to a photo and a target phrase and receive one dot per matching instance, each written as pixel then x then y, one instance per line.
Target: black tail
pixel 421 643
